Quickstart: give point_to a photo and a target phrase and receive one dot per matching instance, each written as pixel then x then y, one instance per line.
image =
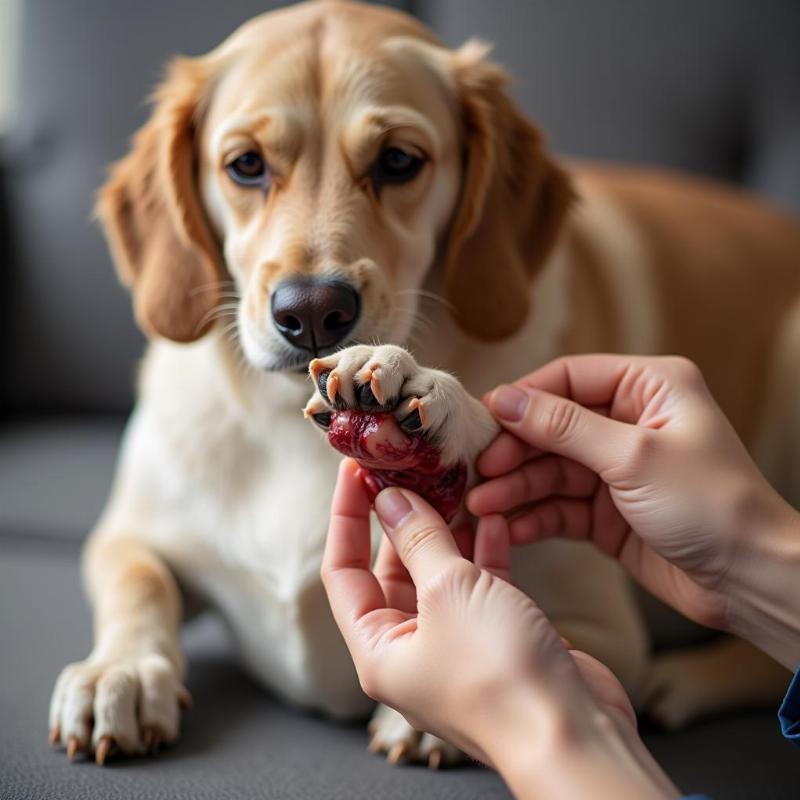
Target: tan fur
pixel 152 216
pixel 493 260
pixel 514 201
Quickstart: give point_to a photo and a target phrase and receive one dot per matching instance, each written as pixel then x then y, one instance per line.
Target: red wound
pixel 390 457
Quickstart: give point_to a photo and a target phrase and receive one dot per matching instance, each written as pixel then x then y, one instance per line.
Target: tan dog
pixel 332 174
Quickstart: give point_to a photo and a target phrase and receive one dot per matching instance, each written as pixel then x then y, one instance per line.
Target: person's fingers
pixel 353 591
pixel 532 481
pixel 562 517
pixel 419 534
pixel 591 379
pixel 398 588
pixel 562 426
pixel 394 578
pixel 493 546
pixel 504 454
pixel 624 386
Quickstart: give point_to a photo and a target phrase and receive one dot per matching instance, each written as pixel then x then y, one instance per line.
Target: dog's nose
pixel 314 313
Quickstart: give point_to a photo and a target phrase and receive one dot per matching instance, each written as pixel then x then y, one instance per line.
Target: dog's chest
pixel 266 576
pixel 237 500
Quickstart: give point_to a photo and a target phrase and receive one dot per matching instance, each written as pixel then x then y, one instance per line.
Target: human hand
pixel 454 647
pixel 635 455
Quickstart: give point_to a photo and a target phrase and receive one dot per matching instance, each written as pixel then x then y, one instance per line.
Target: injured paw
pixel 406 425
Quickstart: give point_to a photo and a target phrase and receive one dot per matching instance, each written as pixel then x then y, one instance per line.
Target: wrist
pixel 546 751
pixel 601 759
pixel 764 605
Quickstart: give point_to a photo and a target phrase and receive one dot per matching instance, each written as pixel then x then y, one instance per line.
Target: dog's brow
pixel 276 127
pixel 374 122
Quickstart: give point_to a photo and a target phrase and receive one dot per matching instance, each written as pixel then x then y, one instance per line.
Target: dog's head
pixel 316 166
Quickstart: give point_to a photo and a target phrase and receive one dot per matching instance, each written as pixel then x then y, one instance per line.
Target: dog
pixel 333 176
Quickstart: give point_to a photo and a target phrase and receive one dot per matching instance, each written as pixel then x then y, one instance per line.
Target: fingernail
pixel 509 403
pixel 392 507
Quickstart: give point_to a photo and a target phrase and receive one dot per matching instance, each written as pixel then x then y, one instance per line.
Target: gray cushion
pixel 709 87
pixel 55 476
pixel 239 743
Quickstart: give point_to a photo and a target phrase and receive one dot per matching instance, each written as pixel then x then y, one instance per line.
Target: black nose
pixel 314 313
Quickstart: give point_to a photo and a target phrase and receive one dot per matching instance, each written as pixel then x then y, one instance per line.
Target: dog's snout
pixel 315 314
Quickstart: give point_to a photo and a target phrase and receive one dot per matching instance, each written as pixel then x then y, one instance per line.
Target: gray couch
pixel 709 87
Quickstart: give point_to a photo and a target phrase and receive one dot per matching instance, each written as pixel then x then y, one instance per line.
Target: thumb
pixel 559 425
pixel 420 536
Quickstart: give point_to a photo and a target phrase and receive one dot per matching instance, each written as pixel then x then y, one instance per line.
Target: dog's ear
pixel 155 225
pixel 514 199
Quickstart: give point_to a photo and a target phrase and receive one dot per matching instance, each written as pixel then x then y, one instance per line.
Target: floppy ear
pixel 153 219
pixel 514 199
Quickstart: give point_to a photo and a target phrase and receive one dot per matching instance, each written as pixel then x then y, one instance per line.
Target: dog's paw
pixel 126 705
pixel 392 736
pixel 405 424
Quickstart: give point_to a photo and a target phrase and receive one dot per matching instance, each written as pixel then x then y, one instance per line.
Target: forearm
pixel 765 598
pixel 137 604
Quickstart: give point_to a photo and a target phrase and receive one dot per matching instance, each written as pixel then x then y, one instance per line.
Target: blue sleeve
pixel 789 712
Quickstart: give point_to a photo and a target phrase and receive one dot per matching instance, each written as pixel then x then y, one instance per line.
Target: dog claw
pixel 316 367
pixel 332 387
pixel 72 747
pixel 375 385
pixel 54 736
pixel 435 758
pixel 397 752
pixel 185 699
pixel 103 749
pixel 415 404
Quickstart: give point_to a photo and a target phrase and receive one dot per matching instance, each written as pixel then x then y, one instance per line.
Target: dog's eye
pixel 249 169
pixel 395 165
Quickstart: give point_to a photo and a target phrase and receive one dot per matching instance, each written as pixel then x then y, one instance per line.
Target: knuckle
pixel 368 686
pixel 644 445
pixel 685 369
pixel 117 679
pixel 445 585
pixel 418 538
pixel 561 420
pixel 155 668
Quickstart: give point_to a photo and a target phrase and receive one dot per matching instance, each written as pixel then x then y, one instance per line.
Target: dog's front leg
pixel 125 696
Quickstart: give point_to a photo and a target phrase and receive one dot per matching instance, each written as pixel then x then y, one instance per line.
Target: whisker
pixel 428 295
pixel 215 313
pixel 232 326
pixel 210 287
